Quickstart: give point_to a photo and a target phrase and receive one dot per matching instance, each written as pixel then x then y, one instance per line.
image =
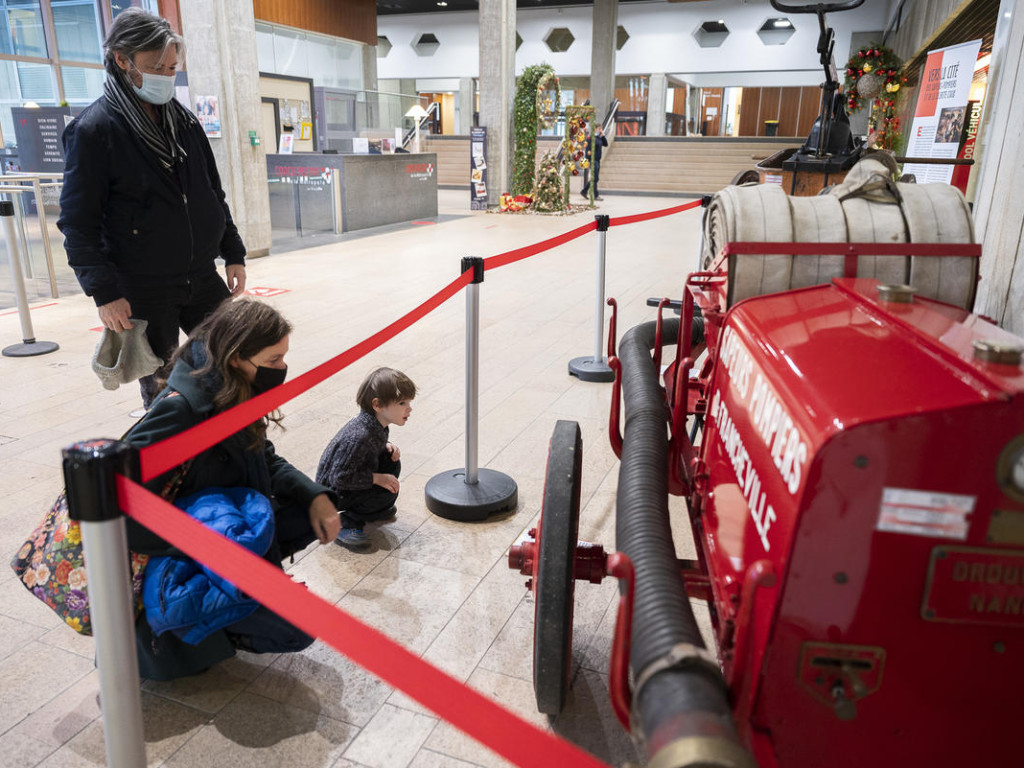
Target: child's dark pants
pixel 368 504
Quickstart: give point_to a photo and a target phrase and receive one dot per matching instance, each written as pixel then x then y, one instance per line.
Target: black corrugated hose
pixel 683 712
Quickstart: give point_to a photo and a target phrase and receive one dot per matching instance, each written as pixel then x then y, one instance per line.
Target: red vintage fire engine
pixel 851 451
pixel 856 497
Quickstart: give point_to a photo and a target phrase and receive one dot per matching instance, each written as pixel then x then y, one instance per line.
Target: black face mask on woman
pixel 267 378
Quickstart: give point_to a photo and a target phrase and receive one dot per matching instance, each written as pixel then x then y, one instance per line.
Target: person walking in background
pixel 360 463
pixel 600 142
pixel 143 212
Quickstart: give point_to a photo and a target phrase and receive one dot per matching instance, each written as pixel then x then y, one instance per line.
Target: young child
pixel 359 463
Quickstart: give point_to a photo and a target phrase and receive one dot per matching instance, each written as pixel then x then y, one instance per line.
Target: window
pixel 559 39
pixel 22 31
pixel 711 34
pixel 77 27
pixel 426 44
pixel 776 31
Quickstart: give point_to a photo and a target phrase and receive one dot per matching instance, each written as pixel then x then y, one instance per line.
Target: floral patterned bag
pixel 51 563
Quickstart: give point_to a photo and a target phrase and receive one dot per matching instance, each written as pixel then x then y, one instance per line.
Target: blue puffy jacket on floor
pixel 183 596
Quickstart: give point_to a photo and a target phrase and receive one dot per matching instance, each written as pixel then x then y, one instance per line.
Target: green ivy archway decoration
pixel 525 120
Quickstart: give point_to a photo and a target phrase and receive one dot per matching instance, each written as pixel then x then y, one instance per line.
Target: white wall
pixel 660 40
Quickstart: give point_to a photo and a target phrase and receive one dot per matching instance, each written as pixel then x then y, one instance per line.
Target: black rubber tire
pixel 555 586
pixel 749 176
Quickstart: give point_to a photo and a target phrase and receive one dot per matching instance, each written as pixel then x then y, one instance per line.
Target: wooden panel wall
pixel 794 108
pixel 352 19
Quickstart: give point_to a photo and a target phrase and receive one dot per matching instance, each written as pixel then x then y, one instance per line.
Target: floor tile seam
pixel 385 703
pixel 320 713
pixel 439 753
pixel 498 634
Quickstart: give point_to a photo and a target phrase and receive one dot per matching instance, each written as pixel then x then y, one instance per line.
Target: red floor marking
pixel 257 291
pixel 14 311
pixel 97 328
pixel 424 222
pixel 492 226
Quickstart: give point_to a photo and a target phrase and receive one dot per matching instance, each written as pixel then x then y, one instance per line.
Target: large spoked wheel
pixel 555 585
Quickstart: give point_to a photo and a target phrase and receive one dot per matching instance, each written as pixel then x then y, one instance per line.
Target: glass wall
pixel 329 61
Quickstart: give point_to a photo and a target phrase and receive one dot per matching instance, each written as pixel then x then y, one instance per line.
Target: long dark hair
pixel 237 329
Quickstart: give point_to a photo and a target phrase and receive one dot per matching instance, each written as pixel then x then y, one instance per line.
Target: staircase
pixel 678 165
pixel 637 165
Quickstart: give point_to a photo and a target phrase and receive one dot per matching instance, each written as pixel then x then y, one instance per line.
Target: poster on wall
pixel 208 112
pixel 287 144
pixel 477 168
pixel 942 110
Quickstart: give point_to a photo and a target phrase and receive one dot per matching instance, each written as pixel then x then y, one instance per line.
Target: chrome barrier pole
pixel 596 368
pixel 89 475
pixel 472 374
pixel 470 493
pixel 29 346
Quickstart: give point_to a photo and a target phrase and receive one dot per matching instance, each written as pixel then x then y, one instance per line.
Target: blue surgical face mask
pixel 156 89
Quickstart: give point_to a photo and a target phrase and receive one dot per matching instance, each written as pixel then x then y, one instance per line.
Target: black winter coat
pixel 128 223
pixel 186 401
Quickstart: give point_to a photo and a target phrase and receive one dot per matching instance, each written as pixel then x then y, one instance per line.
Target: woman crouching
pixel 236 353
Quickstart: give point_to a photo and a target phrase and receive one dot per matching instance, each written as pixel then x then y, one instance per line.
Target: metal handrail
pixel 433 110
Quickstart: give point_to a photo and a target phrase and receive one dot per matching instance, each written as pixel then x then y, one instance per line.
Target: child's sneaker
pixel 354 538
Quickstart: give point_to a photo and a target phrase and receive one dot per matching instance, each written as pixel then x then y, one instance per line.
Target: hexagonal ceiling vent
pixel 426 44
pixel 711 34
pixel 776 31
pixel 621 36
pixel 559 39
pixel 383 46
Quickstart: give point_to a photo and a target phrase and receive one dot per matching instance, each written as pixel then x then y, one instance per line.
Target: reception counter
pixel 316 193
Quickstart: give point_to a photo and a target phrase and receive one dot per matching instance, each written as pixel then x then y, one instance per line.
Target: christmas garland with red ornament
pixel 875 72
pixel 578 134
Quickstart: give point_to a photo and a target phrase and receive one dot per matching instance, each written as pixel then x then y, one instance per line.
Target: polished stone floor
pixel 441 589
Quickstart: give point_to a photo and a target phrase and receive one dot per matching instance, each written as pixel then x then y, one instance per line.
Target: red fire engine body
pixel 858 504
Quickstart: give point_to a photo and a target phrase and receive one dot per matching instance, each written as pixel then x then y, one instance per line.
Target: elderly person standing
pixel 142 210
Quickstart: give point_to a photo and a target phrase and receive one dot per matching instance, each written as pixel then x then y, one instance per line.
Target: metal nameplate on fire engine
pixel 975 586
pixel 925 513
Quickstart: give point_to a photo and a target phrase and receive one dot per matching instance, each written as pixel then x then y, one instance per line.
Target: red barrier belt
pixel 486 721
pixel 160 457
pixel 502 259
pixel 620 220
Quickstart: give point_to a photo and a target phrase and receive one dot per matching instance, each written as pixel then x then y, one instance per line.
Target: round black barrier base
pixel 586 369
pixel 451 497
pixel 30 349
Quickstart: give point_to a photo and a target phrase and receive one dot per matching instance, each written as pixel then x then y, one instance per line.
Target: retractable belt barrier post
pixel 89 475
pixel 29 346
pixel 596 368
pixel 471 493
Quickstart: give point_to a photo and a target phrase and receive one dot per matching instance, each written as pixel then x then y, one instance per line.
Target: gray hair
pixel 136 30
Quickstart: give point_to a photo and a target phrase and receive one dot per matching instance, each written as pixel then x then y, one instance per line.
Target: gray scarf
pixel 162 138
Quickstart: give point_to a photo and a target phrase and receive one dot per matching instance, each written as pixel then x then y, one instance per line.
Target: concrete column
pixel 497 87
pixel 467 105
pixel 220 36
pixel 656 104
pixel 999 204
pixel 602 55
